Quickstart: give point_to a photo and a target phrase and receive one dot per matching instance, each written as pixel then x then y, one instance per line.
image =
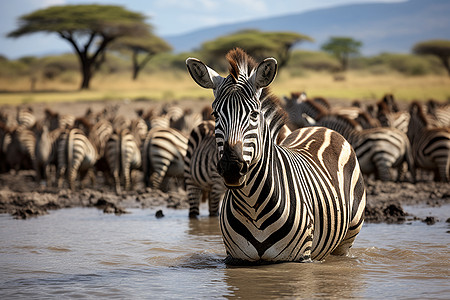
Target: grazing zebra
pixel 163 156
pixel 76 155
pixel 378 149
pixel 430 145
pixel 200 169
pixel 123 155
pixel 297 201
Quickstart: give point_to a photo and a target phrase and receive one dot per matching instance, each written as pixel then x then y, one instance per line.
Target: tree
pixel 342 48
pixel 256 43
pixel 439 48
pixel 88 28
pixel 149 46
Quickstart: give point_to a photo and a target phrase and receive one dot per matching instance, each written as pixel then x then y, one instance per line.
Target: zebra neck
pixel 263 187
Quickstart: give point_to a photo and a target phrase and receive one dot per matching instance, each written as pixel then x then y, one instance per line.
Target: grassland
pixel 167 86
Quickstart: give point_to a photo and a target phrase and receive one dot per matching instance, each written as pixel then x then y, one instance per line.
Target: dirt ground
pixel 23 198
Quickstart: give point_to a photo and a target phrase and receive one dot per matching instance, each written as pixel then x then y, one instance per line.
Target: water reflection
pixel 338 277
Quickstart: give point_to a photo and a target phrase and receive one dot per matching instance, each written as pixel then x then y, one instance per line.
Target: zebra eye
pixel 254 115
pixel 215 115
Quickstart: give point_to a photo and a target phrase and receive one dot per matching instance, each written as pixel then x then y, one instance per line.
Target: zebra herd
pixel 289 172
pixel 64 149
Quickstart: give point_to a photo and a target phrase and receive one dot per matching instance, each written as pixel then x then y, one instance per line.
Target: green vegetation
pixel 112 46
pixel 438 48
pixel 100 25
pixel 256 43
pixel 342 48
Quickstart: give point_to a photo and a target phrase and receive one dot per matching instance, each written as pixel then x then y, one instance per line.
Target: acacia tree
pixel 439 48
pixel 342 48
pixel 148 46
pixel 88 28
pixel 257 43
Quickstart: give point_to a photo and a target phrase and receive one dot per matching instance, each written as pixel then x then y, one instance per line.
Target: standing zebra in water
pixel 297 201
pixel 200 169
pixel 430 145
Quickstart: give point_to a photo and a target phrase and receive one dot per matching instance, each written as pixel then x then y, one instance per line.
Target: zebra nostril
pixel 244 169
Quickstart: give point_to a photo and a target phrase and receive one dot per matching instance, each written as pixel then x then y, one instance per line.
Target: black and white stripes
pixel 295 202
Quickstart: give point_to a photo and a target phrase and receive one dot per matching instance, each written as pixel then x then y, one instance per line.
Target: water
pixel 83 253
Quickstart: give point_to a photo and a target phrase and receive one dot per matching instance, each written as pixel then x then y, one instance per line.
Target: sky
pixel 168 17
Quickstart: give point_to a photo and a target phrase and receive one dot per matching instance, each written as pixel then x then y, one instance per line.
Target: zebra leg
pixel 356 223
pixel 194 195
pixel 60 174
pixel 116 177
pixel 215 196
pixel 126 176
pixel 442 172
pixel 383 170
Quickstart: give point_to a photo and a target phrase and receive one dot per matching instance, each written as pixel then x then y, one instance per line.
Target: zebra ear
pixel 202 74
pixel 265 73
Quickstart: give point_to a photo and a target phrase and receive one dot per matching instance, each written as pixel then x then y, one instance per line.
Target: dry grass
pixel 178 85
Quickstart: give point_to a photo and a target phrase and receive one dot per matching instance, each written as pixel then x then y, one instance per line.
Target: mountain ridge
pixel 382 27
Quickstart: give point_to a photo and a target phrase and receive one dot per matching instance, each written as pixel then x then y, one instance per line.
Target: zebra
pixel 395 119
pixel 298 201
pixel 200 169
pixel 25 117
pixel 55 120
pixel 76 155
pixel 440 112
pixel 378 149
pixel 46 152
pixel 430 145
pixel 123 155
pixel 303 112
pixel 5 140
pixel 163 154
pixel 20 148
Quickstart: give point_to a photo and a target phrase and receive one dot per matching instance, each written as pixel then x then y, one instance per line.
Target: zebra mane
pixel 240 63
pixel 243 64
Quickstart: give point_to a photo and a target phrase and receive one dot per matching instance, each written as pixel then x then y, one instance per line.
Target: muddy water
pixel 83 253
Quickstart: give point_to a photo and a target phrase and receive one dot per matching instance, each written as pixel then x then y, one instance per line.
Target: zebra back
pixel 163 155
pixel 123 155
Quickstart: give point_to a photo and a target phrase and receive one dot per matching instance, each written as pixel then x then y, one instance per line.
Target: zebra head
pixel 237 110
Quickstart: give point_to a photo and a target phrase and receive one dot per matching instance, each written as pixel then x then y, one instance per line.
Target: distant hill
pixel 382 27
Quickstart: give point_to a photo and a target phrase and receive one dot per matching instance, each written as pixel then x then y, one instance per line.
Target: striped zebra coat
pixel 76 156
pixel 163 156
pixel 123 156
pixel 378 149
pixel 430 145
pixel 200 169
pixel 301 200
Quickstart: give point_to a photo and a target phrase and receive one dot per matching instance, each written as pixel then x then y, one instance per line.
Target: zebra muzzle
pixel 233 172
pixel 232 166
